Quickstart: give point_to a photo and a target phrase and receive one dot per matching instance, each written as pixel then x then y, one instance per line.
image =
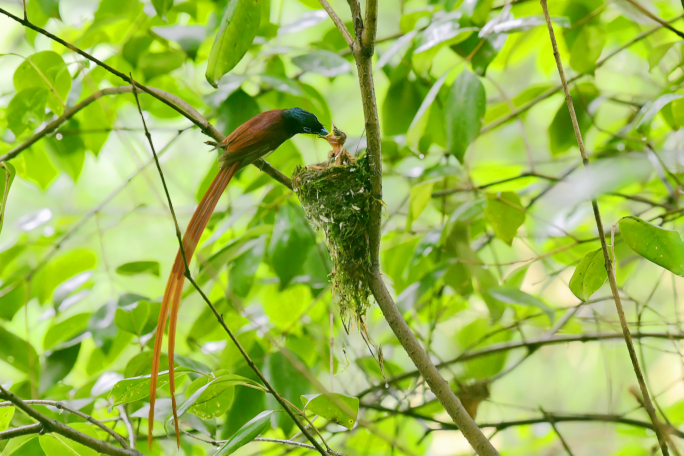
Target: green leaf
pixel 162 7
pixel 401 104
pixel 209 398
pixel 132 318
pixel 459 277
pixel 447 30
pixel 505 214
pixel 652 109
pixel 586 49
pixel 238 28
pixel 6 414
pixel 17 352
pixel 58 365
pixel 65 330
pixel 242 270
pixel 6 180
pixel 284 308
pixel 26 110
pixel 246 433
pixel 50 8
pixel 45 70
pixel 512 295
pixel 68 149
pixel 663 247
pixel 481 52
pixel 137 388
pixel 139 267
pixel 327 406
pixel 485 366
pixel 153 64
pixel 61 269
pixel 25 445
pixel 189 38
pixel 420 197
pixel 57 445
pixel 464 113
pixel 327 63
pixel 288 381
pixel 290 243
pixel 589 275
pixel 235 110
pixel 12 298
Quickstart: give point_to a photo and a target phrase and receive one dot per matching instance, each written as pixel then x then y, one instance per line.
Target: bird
pixel 254 139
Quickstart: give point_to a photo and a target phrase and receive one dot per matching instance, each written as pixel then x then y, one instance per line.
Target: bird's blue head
pixel 299 121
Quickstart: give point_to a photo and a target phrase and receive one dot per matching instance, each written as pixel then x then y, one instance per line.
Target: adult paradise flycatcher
pixel 254 139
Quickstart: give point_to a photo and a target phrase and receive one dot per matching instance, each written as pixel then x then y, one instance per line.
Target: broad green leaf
pixel 652 109
pixel 401 104
pixel 45 70
pixel 284 308
pixel 162 7
pixel 498 110
pixel 290 243
pixel 235 110
pixel 209 398
pixel 589 275
pixel 238 28
pixel 586 49
pixel 139 267
pixel 288 381
pixel 663 247
pixel 61 269
pixel 133 318
pixel 322 62
pixel 447 30
pixel 327 406
pixel 57 445
pixel 17 352
pixel 459 277
pixel 137 388
pixel 465 110
pixel 50 8
pixel 6 179
pixel 246 433
pixel 481 52
pixel 486 366
pixel 26 110
pixel 34 165
pixel 505 214
pixel 153 64
pixel 68 149
pixel 141 363
pixel 12 298
pixel 65 330
pixel 25 445
pixel 6 414
pixel 242 270
pixel 420 197
pixel 512 295
pixel 58 365
pixel 515 279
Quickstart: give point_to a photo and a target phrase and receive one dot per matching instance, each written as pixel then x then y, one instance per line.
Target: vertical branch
pixel 363 49
pixel 606 254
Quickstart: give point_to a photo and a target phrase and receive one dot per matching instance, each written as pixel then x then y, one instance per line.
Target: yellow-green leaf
pixel 589 275
pixel 505 214
pixel 337 408
pixel 420 197
pixel 663 247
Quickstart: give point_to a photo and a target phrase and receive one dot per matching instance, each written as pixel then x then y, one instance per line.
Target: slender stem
pixel 338 23
pixel 650 15
pixel 552 422
pixel 129 426
pixel 188 275
pixel 606 254
pixel 35 428
pixel 55 426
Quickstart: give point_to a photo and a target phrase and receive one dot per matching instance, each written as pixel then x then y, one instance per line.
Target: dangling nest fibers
pixel 336 197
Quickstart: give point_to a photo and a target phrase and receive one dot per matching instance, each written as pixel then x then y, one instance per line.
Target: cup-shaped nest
pixel 336 198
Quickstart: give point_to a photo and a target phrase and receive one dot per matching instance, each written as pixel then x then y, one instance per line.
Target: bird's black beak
pixel 322 132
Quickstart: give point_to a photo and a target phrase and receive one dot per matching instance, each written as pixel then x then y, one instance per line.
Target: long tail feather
pixel 174 288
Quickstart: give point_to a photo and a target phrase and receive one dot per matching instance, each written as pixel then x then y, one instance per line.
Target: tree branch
pixel 606 254
pixel 338 22
pixel 650 15
pixel 55 426
pixel 35 428
pixel 168 99
pixel 370 27
pixel 530 344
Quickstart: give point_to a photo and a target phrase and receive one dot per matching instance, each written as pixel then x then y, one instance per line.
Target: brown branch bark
pixel 606 253
pixel 338 23
pixel 51 425
pixel 23 430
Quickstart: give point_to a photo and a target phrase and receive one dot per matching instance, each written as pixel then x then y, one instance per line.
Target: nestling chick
pixel 337 156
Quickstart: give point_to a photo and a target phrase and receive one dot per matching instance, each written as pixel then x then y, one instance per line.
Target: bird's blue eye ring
pixel 307 129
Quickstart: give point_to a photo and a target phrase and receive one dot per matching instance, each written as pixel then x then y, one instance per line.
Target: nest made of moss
pixel 337 200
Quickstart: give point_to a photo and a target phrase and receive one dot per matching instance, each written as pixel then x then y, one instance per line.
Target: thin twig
pixel 338 23
pixel 219 317
pixel 606 254
pixel 35 428
pixel 129 426
pixel 650 15
pixel 552 422
pixel 51 425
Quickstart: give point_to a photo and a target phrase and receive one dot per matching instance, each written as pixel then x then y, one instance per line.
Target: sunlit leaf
pixel 132 318
pixel 45 70
pixel 137 388
pixel 7 173
pixel 290 244
pixel 60 269
pixel 465 111
pixel 57 445
pixel 586 49
pixel 6 414
pixel 663 247
pixel 65 330
pixel 589 275
pixel 58 365
pixel 246 433
pixel 652 109
pixel 238 28
pixel 153 64
pixel 335 407
pixel 162 7
pixel 17 352
pixel 139 267
pixel 419 199
pixel 505 214
pixel 561 132
pixel 26 110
